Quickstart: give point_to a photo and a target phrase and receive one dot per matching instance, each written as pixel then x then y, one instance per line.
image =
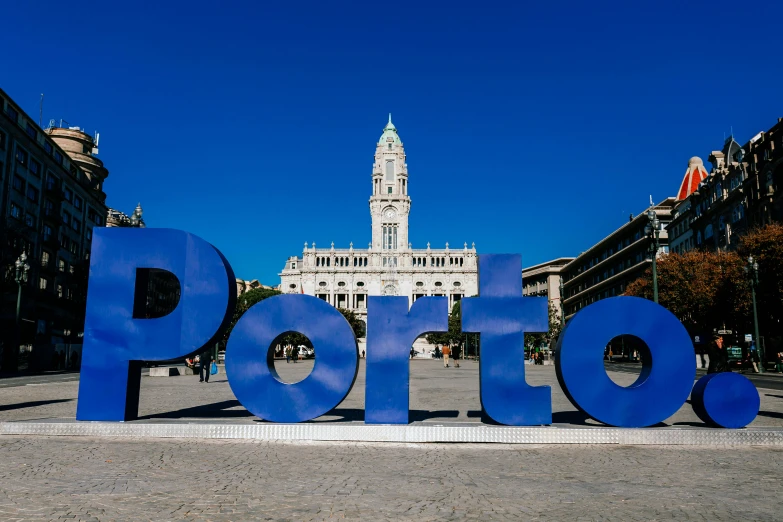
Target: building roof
pixel 695 174
pixel 390 131
pixel 553 265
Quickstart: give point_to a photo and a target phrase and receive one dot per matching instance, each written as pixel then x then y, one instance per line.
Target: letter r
pixel 391 331
pixel 115 342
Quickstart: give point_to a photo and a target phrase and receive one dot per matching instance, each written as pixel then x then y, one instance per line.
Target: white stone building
pixel 345 277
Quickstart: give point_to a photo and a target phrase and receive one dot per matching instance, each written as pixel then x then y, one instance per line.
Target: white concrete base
pixel 415 433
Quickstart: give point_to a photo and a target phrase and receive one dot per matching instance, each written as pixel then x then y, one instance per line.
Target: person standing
pixel 719 357
pixel 362 354
pixel 294 353
pixel 204 360
pixel 446 352
pixel 712 353
pixel 288 355
pixel 779 365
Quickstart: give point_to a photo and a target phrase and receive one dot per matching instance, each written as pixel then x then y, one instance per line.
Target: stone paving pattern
pixel 65 478
pixel 79 478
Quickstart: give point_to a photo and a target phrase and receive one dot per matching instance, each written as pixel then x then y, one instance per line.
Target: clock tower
pixel 390 204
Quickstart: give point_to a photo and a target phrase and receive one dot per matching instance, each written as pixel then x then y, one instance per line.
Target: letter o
pixel 250 364
pixel 665 381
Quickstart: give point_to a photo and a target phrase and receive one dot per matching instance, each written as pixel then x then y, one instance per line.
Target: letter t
pixel 502 317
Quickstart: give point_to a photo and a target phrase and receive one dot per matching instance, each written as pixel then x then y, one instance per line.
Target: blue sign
pixel 116 343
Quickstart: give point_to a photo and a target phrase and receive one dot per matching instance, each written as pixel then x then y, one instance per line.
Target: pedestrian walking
pixel 446 352
pixel 754 358
pixel 362 354
pixel 288 355
pixel 610 355
pixel 779 365
pixel 204 361
pixel 456 355
pixel 294 353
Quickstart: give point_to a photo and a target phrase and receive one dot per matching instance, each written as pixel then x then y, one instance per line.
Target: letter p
pixel 116 342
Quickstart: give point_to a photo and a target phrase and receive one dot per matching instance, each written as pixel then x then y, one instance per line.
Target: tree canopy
pixel 537 340
pixel 708 291
pixel 455 336
pixel 766 246
pixel 251 297
pixel 244 302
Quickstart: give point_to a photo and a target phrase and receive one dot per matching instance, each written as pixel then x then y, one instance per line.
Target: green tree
pixel 357 325
pixel 707 291
pixel 455 337
pixel 536 340
pixel 765 244
pixel 244 302
pixel 251 297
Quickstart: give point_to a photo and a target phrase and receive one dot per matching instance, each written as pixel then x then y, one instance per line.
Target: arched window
pixel 390 170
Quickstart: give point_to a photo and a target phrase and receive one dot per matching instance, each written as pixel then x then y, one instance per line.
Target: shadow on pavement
pixel 485 419
pixel 558 417
pixel 569 417
pixel 773 414
pixel 215 410
pixel 357 415
pixel 31 404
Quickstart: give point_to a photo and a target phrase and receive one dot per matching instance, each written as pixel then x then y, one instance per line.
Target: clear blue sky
pixel 529 127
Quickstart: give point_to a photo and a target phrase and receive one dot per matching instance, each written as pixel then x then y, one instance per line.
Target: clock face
pixel 390 214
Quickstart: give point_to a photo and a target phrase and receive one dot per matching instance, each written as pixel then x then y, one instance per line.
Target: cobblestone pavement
pixel 110 479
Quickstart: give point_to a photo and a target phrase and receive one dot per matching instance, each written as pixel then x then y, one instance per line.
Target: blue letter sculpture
pixel 667 372
pixel 115 342
pixel 250 362
pixel 502 317
pixel 391 331
pixel 725 400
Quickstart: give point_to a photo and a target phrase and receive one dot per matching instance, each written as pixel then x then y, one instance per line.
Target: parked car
pixel 735 356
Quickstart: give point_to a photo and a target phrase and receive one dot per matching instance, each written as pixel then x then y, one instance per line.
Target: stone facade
pixel 742 191
pixel 389 265
pixel 244 285
pixel 544 280
pixel 51 199
pixel 116 218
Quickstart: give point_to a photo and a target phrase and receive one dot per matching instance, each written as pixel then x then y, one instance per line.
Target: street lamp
pixel 752 269
pixel 653 231
pixel 20 275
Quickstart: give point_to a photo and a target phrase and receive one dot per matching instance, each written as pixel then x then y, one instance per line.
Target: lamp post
pixel 653 231
pixel 20 275
pixel 752 269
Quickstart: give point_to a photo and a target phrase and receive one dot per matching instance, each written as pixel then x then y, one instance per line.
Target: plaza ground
pixel 79 478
